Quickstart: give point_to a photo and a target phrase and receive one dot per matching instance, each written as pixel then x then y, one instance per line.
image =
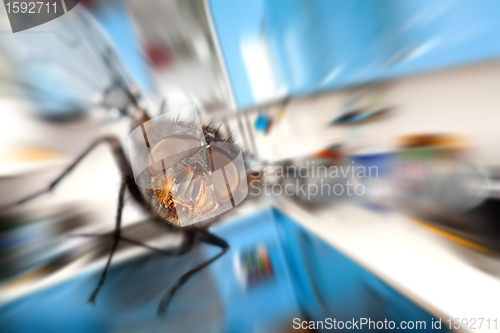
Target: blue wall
pixel 322 45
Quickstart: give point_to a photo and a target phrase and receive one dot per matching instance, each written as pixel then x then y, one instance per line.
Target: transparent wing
pixel 65 66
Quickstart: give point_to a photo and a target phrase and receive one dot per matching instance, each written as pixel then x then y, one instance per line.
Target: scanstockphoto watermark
pixel 311 180
pixel 367 323
pixel 386 325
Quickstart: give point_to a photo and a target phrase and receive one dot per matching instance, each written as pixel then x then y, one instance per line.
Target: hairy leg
pixel 117 153
pixel 117 235
pixel 185 247
pixel 205 237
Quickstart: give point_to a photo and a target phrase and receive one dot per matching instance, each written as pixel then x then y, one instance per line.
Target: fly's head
pixel 195 171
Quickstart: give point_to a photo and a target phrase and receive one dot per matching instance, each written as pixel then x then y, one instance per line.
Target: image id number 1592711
pixel 472 323
pixel 31 7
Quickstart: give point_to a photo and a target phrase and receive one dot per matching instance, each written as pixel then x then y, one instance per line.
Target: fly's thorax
pixel 191 172
pixel 187 187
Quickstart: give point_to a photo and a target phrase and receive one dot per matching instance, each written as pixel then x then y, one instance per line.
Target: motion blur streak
pixel 369 131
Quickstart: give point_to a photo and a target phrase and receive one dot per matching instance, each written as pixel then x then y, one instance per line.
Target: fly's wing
pixel 65 66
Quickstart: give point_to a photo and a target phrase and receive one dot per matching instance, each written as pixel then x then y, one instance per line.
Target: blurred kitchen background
pixel 408 89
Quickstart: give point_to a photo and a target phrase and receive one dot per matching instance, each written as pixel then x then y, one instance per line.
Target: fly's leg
pixel 207 238
pixel 117 153
pixel 116 240
pixel 128 183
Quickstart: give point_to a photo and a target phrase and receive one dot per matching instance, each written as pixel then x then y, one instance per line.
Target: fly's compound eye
pixel 224 165
pixel 170 151
pixel 228 175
